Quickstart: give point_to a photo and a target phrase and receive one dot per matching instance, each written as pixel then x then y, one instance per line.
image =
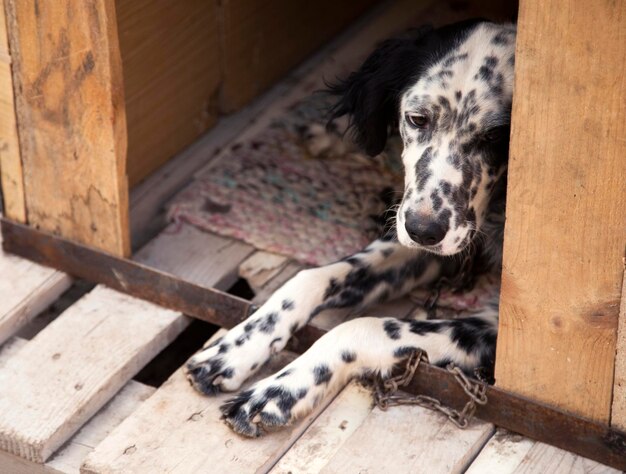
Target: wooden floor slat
pixel 323 439
pixel 413 440
pixel 510 453
pixel 87 354
pixel 26 289
pixel 83 357
pixel 179 430
pixel 71 456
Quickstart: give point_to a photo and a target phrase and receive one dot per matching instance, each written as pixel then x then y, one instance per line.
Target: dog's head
pixel 448 91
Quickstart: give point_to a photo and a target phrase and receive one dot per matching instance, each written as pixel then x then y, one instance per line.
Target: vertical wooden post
pixel 71 119
pixel 11 176
pixel 566 206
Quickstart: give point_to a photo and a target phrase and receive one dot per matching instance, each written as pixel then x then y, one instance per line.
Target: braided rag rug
pixel 272 193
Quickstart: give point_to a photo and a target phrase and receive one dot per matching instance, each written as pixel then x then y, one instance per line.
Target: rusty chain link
pixel 384 391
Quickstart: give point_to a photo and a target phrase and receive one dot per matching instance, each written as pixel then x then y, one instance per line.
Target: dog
pixel 448 93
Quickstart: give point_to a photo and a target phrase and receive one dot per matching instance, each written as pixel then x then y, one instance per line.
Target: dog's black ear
pixel 371 94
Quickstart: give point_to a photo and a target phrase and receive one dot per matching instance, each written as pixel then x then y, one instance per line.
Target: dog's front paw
pixel 226 363
pixel 277 400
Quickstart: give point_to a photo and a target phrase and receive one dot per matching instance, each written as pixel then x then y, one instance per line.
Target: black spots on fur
pixel 422 328
pixel 491 61
pixel 254 366
pixel 503 38
pixel 268 323
pixel 471 215
pixel 322 374
pixel 250 325
pixel 458 95
pixel 353 260
pixel 484 73
pixel 288 305
pixel 203 375
pixel 436 200
pixel 392 328
pixel 240 340
pixel 446 188
pixel 422 171
pixel 409 193
pixel 284 373
pixel 455 58
pixel 472 334
pixel 444 102
pixel 348 356
pixel 228 373
pixel 223 349
pixel 283 398
pixel 333 288
pixel 511 61
pixel 403 352
pixel 443 218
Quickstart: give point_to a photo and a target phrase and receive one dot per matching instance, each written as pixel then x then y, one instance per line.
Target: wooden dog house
pixel 100 99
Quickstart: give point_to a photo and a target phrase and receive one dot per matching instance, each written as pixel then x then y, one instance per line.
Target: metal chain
pixel 384 391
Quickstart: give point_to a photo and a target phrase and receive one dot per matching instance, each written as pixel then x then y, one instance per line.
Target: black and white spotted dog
pixel 448 92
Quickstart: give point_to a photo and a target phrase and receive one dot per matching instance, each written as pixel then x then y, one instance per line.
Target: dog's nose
pixel 423 230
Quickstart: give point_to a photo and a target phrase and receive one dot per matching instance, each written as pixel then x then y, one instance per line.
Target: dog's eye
pixel 416 120
pixel 495 134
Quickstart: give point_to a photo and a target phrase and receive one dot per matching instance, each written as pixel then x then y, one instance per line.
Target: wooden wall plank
pixel 71 119
pixel 170 54
pixel 11 176
pixel 262 40
pixel 565 236
pixel 618 411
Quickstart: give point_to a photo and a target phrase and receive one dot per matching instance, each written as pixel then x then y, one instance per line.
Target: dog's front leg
pixel 360 347
pixel 384 269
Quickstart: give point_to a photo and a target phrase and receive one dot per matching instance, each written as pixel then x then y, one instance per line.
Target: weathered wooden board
pixel 92 338
pixel 200 257
pixel 262 39
pixel 179 430
pixel 565 238
pixel 170 55
pixel 510 453
pixel 83 357
pixel 11 176
pixel 261 267
pixel 421 440
pixel 618 411
pixel 327 434
pixel 26 289
pixel 71 119
pixel 70 457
